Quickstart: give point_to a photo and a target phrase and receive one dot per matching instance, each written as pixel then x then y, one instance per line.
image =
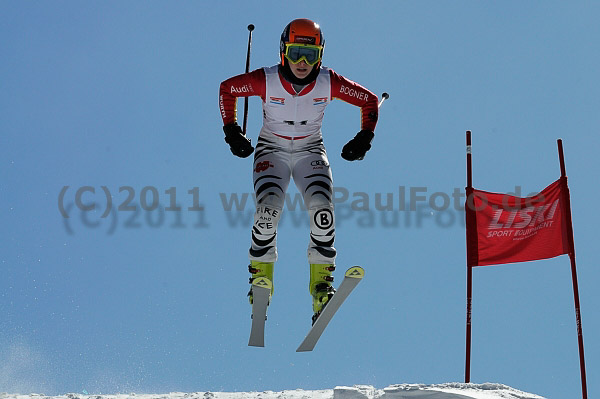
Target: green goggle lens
pixel 297 52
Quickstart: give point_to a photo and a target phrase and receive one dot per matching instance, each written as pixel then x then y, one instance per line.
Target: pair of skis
pixel 261 288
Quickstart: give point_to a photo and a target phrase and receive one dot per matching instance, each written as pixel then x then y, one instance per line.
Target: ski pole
pixel 384 97
pixel 250 29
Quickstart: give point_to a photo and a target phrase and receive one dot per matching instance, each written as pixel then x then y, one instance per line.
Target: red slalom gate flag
pixel 505 229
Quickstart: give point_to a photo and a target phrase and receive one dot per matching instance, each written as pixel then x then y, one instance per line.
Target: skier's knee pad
pixel 266 219
pixel 322 219
pixel 322 235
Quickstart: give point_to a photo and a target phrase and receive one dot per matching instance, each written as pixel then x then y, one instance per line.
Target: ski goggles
pixel 309 53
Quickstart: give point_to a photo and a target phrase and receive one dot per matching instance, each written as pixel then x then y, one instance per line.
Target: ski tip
pixel 302 349
pixel 262 282
pixel 355 272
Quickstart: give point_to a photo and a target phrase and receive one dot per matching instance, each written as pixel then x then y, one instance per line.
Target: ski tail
pixel 261 291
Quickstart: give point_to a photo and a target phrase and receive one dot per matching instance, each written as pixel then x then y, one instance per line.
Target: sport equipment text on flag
pixel 505 229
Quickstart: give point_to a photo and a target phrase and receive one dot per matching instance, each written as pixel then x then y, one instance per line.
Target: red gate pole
pixel 571 239
pixel 468 202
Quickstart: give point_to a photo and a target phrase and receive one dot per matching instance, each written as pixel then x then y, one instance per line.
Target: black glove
pixel 356 148
pixel 238 143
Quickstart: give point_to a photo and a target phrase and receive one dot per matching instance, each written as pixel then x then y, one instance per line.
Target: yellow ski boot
pixel 260 269
pixel 320 287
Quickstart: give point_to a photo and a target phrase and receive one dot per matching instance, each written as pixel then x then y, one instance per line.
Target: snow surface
pixel 401 391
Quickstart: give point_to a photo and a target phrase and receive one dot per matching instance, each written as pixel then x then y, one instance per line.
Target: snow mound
pixel 400 391
pixel 455 391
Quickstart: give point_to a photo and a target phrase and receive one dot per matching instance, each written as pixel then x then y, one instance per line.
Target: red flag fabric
pixel 505 229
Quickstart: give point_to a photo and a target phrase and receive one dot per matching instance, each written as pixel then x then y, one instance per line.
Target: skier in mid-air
pixel 294 95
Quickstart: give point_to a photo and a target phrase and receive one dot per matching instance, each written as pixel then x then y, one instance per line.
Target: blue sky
pixel 125 95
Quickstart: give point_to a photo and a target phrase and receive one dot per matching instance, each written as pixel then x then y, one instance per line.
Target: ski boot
pixel 260 269
pixel 320 287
